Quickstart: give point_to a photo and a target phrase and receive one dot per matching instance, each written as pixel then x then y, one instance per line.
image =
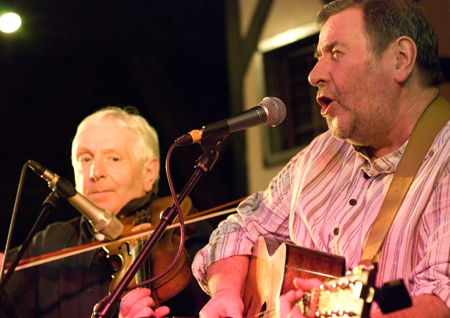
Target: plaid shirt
pixel 327 197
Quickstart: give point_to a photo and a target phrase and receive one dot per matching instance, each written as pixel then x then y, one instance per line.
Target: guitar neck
pixel 349 296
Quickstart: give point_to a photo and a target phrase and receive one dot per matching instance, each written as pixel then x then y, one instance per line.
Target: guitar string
pixel 323 297
pixel 272 311
pixel 265 313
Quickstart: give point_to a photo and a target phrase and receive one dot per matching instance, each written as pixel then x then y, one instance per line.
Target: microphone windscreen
pixel 276 110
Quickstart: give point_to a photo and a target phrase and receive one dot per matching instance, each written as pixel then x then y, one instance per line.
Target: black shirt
pixel 69 287
pixel 72 286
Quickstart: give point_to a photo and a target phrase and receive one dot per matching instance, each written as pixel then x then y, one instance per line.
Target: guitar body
pixel 270 276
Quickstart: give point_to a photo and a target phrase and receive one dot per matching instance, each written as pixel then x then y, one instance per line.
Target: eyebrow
pixel 326 48
pixel 83 150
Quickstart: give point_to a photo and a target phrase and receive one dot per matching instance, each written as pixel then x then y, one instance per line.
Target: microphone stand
pixel 49 204
pixel 106 307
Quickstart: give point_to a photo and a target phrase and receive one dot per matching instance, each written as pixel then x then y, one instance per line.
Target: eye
pixel 84 158
pixel 113 158
pixel 337 54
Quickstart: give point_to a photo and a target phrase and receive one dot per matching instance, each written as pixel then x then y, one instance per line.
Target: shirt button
pixel 336 231
pixel 352 202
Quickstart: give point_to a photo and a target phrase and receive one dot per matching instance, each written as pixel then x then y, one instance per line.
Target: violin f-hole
pixel 121 259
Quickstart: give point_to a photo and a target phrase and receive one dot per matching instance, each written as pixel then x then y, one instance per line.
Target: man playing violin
pixel 115 156
pixel 377 71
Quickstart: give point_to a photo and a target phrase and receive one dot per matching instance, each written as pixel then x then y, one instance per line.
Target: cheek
pixel 346 87
pixel 348 77
pixel 79 181
pixel 128 181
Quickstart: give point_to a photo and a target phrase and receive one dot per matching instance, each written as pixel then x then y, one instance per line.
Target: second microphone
pixel 270 112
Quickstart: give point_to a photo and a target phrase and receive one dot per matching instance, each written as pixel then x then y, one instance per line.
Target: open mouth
pixel 324 101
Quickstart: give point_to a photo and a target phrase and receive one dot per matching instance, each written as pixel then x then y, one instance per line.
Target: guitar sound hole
pixel 263 311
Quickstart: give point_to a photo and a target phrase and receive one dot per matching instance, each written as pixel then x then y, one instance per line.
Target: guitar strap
pixel 430 123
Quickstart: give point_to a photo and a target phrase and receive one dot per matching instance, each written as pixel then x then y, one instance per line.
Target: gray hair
pixel 147 145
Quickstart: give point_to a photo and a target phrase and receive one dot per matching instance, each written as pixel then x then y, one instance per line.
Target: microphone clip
pixel 211 151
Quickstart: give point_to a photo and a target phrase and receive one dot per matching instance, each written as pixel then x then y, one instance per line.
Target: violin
pixel 161 256
pixel 122 254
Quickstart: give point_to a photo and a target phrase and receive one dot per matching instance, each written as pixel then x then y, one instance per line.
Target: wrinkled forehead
pixel 107 133
pixel 344 27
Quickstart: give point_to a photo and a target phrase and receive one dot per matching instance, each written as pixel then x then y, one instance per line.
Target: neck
pixel 410 110
pixel 135 204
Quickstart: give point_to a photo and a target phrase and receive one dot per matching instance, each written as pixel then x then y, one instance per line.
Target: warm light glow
pixel 288 37
pixel 10 22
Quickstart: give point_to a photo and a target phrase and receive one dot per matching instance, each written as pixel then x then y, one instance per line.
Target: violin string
pixel 148 265
pixel 143 271
pixel 152 279
pixel 180 220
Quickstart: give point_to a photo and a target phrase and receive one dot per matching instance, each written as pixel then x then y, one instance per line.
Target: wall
pixel 299 16
pixel 438 12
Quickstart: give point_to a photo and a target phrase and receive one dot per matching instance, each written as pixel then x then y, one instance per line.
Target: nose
pixel 320 73
pixel 97 170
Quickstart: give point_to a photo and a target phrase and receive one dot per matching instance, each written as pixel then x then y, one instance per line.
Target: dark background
pixel 70 58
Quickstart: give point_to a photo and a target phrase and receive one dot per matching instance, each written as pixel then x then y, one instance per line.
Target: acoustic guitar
pixel 271 275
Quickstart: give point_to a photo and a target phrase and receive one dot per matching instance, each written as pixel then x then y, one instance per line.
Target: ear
pixel 405 51
pixel 151 168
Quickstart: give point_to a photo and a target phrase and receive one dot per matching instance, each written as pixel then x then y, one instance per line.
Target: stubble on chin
pixel 342 131
pixel 336 128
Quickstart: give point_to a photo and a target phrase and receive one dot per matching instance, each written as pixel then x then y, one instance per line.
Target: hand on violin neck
pixel 138 303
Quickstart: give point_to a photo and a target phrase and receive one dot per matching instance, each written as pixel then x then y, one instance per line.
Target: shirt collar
pixel 384 165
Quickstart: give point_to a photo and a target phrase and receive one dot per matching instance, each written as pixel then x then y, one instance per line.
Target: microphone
pixel 271 112
pixel 103 221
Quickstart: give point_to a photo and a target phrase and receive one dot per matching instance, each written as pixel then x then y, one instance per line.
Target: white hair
pixel 147 144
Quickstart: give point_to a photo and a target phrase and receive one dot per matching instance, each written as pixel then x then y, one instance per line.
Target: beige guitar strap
pixel 430 123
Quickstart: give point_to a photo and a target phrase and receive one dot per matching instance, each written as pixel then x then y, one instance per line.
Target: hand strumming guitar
pixel 226 281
